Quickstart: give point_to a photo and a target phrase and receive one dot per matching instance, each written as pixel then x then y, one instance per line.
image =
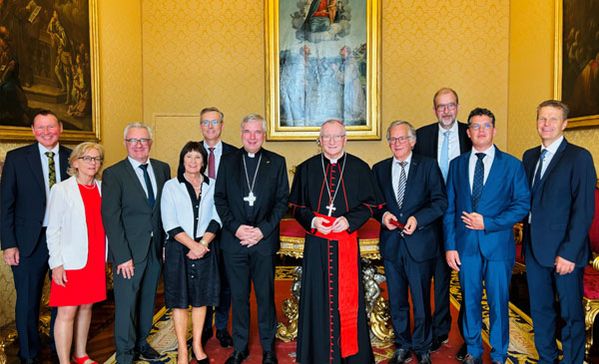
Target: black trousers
pixel 244 268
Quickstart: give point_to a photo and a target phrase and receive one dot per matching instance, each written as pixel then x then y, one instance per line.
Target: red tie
pixel 211 169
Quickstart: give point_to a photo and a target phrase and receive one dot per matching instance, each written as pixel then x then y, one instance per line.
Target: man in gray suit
pixel 131 191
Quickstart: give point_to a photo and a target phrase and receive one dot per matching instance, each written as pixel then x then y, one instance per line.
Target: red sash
pixel 347 291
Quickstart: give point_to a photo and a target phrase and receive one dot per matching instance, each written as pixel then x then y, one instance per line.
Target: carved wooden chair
pixel 590 299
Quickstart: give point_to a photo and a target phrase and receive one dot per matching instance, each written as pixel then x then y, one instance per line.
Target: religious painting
pixel 577 60
pixel 322 59
pixel 49 60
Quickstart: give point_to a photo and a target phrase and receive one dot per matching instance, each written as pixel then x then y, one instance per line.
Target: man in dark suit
pixel 211 124
pixel 29 173
pixel 444 140
pixel 131 191
pixel 562 179
pixel 487 194
pixel 414 194
pixel 251 198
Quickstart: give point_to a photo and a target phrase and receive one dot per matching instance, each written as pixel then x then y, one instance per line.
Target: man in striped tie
pixel 487 193
pixel 414 201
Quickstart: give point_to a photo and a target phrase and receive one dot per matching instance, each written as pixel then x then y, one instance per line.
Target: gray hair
pixel 395 123
pixel 137 125
pixel 253 117
pixel 332 121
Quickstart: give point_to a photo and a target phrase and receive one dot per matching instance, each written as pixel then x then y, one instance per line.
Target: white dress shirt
pixel 46 170
pixel 551 150
pixel 396 172
pixel 218 152
pixel 140 175
pixel 487 162
pixel 454 142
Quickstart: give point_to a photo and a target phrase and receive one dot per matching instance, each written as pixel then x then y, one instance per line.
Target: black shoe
pixel 469 359
pixel 224 338
pixel 424 358
pixel 401 356
pixel 461 354
pixel 237 357
pixel 438 342
pixel 269 357
pixel 30 361
pixel 147 353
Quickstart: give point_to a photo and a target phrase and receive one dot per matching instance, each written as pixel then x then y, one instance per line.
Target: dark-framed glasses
pixel 451 106
pixel 400 139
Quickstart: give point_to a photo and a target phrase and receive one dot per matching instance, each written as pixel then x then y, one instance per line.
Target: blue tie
pixel 151 198
pixel 444 159
pixel 537 181
pixel 477 182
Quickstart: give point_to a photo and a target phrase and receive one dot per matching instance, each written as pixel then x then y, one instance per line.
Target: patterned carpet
pixel 521 349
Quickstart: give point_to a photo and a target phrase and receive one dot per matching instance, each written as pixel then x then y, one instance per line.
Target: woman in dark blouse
pixel 191 274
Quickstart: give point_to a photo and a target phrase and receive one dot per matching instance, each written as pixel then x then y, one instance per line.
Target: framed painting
pixel 49 60
pixel 577 60
pixel 322 62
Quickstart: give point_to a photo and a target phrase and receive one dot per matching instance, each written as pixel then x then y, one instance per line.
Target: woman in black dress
pixel 191 274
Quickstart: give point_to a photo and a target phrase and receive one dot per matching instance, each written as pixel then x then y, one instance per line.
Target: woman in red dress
pixel 77 247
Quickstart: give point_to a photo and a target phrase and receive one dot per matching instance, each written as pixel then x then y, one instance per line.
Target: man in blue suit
pixel 29 173
pixel 562 179
pixel 487 194
pixel 414 195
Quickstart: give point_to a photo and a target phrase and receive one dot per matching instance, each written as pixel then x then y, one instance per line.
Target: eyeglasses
pixel 399 139
pixel 476 127
pixel 88 159
pixel 213 122
pixel 334 138
pixel 142 141
pixel 451 106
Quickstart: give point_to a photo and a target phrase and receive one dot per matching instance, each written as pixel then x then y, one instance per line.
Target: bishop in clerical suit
pixel 251 198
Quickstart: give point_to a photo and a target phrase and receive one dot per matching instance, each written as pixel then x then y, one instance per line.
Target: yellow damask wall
pixel 531 62
pixel 202 53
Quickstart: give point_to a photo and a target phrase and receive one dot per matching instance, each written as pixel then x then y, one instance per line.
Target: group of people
pixel 447 198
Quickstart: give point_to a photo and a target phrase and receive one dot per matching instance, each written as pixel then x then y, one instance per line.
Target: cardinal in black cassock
pixel 333 195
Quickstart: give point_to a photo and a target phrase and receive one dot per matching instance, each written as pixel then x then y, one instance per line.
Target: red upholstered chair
pixel 591 278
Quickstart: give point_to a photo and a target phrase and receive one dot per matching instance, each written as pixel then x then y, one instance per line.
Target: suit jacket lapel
pixel 414 168
pixel 63 154
pixel 465 172
pixel 264 169
pixel 135 179
pixel 160 180
pixel 494 173
pixel 529 166
pixel 390 187
pixel 435 142
pixel 35 163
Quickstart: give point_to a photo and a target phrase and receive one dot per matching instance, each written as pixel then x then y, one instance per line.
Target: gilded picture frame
pixel 49 59
pixel 322 62
pixel 577 60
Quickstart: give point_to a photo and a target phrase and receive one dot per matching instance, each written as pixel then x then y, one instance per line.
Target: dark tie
pixel 51 169
pixel 537 180
pixel 151 198
pixel 477 182
pixel 211 164
pixel 401 186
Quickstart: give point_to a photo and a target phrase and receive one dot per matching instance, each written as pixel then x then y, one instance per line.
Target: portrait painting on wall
pixel 48 60
pixel 322 59
pixel 577 60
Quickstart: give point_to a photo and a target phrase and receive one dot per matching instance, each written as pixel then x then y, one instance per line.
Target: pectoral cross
pixel 331 208
pixel 250 198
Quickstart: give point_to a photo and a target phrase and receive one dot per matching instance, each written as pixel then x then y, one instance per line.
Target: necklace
pixel 250 198
pixel 331 207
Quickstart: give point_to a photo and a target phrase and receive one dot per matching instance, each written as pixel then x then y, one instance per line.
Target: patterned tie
pixel 151 198
pixel 477 182
pixel 401 187
pixel 51 169
pixel 444 158
pixel 211 164
pixel 536 182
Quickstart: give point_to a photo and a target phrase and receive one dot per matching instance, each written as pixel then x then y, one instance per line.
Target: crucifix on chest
pixel 250 198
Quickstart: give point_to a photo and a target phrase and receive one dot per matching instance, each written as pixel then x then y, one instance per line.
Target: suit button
pixel 193 265
pixel 401 214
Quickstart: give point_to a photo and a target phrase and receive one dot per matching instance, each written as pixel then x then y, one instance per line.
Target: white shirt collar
pixel 552 148
pixel 490 152
pixel 217 147
pixel 136 163
pixel 43 149
pixel 408 160
pixel 453 129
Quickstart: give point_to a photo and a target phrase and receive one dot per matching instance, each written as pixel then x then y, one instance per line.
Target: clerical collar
pixel 252 155
pixel 335 160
